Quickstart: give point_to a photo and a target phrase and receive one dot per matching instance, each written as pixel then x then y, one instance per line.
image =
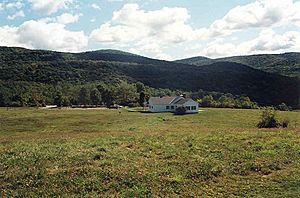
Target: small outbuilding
pixel 169 104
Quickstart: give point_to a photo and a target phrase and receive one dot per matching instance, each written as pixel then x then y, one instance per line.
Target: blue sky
pixel 164 29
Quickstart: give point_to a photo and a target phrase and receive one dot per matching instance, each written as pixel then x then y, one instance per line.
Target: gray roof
pixel 162 100
pixel 167 100
pixel 182 101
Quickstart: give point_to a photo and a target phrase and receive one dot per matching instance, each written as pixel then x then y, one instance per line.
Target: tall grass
pixel 217 153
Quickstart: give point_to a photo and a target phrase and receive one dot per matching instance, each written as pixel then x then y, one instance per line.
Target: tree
pixel 3 100
pixel 140 87
pixel 95 97
pixel 101 88
pixel 58 100
pixel 142 99
pixel 226 101
pixel 245 102
pixel 16 100
pixel 36 98
pixel 84 96
pixel 107 97
pixel 208 101
pixel 66 101
pixel 197 95
pixel 125 92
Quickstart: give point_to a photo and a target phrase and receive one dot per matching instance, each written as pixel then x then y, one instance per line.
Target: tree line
pixel 23 94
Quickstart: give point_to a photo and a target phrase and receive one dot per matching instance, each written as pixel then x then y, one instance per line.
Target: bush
pixel 285 123
pixel 283 107
pixel 133 104
pixel 268 119
pixel 180 110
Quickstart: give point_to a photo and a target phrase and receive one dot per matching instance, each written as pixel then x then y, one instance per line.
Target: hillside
pixel 24 66
pixel 287 64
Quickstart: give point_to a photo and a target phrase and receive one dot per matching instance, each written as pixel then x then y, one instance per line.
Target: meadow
pixel 107 153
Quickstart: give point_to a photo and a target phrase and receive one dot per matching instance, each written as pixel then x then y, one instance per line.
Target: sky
pixel 163 29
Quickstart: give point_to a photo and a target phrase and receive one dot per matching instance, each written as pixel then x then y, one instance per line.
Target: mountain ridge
pixel 49 67
pixel 287 64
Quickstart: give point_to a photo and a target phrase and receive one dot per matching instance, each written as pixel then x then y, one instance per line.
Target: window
pixel 172 107
pixel 167 107
pixel 194 108
pixel 188 108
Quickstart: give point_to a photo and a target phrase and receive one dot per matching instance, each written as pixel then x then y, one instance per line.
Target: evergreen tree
pixel 142 99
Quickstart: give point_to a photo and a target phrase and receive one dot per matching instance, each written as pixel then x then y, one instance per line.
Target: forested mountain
pixel 44 70
pixel 287 64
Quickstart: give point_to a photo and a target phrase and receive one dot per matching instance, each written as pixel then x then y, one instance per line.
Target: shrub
pixel 208 101
pixel 268 119
pixel 133 104
pixel 285 123
pixel 180 110
pixel 283 107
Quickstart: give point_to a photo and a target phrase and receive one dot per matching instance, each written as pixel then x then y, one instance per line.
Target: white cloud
pixel 259 14
pixel 67 18
pixel 43 35
pixel 295 15
pixel 219 49
pixel 49 6
pixel 9 37
pixel 169 25
pixel 268 41
pixel 146 31
pixel 14 5
pixel 132 23
pixel 17 14
pixel 157 33
pixel 95 6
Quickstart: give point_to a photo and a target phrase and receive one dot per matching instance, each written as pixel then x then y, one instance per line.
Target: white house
pixel 169 104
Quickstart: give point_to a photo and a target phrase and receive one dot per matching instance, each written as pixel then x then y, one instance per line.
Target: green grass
pixel 217 153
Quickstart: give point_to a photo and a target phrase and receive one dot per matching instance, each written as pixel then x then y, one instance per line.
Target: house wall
pixel 191 103
pixel 158 108
pixel 162 108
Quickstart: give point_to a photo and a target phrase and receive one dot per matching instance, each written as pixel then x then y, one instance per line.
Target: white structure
pixel 169 104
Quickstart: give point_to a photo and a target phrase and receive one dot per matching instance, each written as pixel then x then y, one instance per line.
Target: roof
pixel 167 100
pixel 162 100
pixel 182 101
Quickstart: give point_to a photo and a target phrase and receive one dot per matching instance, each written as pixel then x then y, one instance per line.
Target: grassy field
pixel 217 153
